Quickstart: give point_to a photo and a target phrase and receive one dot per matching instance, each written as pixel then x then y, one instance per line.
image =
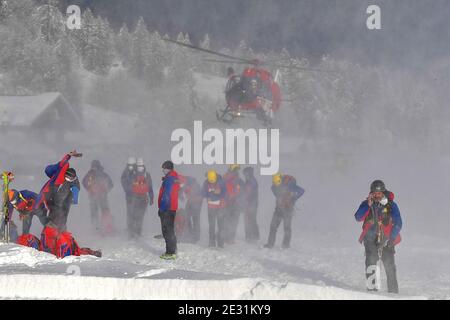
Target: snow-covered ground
pixel 133 270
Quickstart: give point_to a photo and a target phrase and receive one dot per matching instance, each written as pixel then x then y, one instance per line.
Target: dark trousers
pixel 168 230
pixel 232 221
pixel 27 220
pixel 285 215
pixel 216 215
pixel 193 220
pixel 96 205
pixel 251 225
pixel 135 215
pixel 387 257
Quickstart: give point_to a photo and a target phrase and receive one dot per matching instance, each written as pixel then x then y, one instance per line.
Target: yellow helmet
pixel 211 176
pixel 276 179
pixel 233 167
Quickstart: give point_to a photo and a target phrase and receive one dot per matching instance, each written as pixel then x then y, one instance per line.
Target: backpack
pixel 66 245
pixel 29 240
pixel 97 185
pixel 140 185
pixel 233 186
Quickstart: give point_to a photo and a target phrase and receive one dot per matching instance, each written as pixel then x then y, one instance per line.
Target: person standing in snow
pixel 168 205
pixel 215 192
pixel 192 193
pixel 381 233
pixel 140 196
pixel 234 185
pixel 126 180
pixel 98 184
pixel 250 204
pixel 286 192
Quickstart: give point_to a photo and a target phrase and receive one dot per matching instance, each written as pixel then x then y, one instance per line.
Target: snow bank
pixel 26 286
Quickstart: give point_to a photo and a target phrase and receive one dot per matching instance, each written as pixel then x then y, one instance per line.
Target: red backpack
pixel 29 240
pixel 140 185
pixel 233 187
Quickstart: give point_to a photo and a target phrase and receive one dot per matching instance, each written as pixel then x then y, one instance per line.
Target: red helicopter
pixel 256 91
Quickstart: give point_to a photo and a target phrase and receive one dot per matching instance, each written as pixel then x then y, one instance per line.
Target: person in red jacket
pixel 192 194
pixel 234 185
pixel 98 184
pixel 168 205
pixel 141 196
pixel 382 223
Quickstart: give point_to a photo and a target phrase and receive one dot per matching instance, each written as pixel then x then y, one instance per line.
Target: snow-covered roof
pixel 25 110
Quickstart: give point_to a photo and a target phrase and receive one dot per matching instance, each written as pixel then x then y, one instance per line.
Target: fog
pixel 380 113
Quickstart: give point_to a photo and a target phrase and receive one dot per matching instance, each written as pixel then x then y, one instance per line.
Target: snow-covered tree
pixel 94 43
pixel 49 21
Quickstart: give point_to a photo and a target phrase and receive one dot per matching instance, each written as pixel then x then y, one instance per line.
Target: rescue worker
pixel 233 90
pixel 141 196
pixel 215 192
pixel 286 192
pixel 250 205
pixel 192 192
pixel 234 185
pixel 126 180
pixel 98 184
pixel 168 205
pixel 23 201
pixel 59 200
pixel 381 233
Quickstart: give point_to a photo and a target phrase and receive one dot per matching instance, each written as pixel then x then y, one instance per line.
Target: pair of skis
pixel 7 177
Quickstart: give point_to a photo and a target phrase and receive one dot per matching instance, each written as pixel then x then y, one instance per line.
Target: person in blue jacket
pixel 23 201
pixel 381 233
pixel 214 190
pixel 286 192
pixel 168 206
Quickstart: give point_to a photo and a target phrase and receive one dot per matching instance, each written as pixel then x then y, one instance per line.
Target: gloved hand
pixel 389 244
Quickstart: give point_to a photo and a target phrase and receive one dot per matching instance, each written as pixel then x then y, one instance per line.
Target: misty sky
pixel 413 33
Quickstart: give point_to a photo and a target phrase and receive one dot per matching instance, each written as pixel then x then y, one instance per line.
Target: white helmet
pixel 140 162
pixel 131 161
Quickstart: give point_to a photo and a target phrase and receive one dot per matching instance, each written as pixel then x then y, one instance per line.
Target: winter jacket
pixel 127 179
pixel 234 185
pixel 97 183
pixel 192 191
pixel 60 199
pixel 215 193
pixel 287 193
pixel 168 193
pixel 26 201
pixel 388 215
pixel 56 174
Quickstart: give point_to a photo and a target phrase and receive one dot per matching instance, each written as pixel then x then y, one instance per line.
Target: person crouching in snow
pixel 23 201
pixel 381 233
pixel 168 205
pixel 58 194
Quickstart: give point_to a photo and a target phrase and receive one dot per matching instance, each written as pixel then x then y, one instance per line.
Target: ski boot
pixel 168 256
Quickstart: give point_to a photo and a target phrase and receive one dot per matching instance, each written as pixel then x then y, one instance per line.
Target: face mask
pixel 384 201
pixel 140 169
pixel 70 179
pixel 130 168
pixel 165 171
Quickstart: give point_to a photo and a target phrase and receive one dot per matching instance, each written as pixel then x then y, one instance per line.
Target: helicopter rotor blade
pixel 208 51
pixel 297 68
pixel 225 61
